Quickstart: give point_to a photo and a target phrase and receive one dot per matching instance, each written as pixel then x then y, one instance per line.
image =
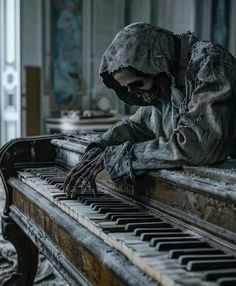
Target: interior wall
pixel 31 46
pixel 177 16
pixel 108 17
pixel 102 19
pixel 10 70
pixel 138 11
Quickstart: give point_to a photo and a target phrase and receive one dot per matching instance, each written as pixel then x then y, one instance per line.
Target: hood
pixel 148 49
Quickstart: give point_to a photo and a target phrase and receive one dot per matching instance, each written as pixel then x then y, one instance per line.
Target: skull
pixel 129 78
pixel 141 85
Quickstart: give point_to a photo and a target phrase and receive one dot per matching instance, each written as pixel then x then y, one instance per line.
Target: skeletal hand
pixel 82 176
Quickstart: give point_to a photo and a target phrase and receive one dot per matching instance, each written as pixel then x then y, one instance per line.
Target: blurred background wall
pixel 61 42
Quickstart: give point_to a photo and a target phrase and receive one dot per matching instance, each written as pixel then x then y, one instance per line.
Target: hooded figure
pixel 186 90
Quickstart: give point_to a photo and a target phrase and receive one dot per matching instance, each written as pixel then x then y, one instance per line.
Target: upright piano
pixel 171 227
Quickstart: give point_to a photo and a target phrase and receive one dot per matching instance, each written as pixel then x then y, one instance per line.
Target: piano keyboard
pixel 168 253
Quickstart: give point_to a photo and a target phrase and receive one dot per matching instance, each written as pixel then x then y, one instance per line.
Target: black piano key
pixel 165 246
pixel 183 260
pixel 88 201
pixel 135 215
pixel 155 241
pixel 133 226
pixel 213 264
pixel 149 235
pixel 112 228
pixel 91 202
pixel 55 180
pixel 64 199
pixel 113 215
pixel 139 220
pixel 60 197
pixel 47 176
pixel 177 253
pixel 115 205
pixel 59 186
pixel 103 201
pixel 87 196
pixel 52 182
pixel 217 274
pixel 107 203
pixel 117 209
pixel 140 231
pixel 226 282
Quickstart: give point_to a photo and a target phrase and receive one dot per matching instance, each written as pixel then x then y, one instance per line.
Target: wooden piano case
pixel 199 198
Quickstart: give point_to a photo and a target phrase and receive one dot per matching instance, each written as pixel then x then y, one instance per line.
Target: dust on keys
pixel 166 251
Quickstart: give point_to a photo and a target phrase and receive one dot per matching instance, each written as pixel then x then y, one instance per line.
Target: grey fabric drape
pixel 196 126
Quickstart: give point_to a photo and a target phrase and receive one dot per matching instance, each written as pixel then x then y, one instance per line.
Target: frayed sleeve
pixel 132 129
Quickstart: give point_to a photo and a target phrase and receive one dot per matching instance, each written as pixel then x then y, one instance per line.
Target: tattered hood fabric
pixel 150 50
pixel 196 126
pixel 141 46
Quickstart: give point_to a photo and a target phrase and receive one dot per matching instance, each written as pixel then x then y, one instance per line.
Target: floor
pixel 46 275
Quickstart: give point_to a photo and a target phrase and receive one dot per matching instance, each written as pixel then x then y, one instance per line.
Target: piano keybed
pixel 168 252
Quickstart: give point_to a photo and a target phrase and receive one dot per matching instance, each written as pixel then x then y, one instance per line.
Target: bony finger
pixel 85 172
pixel 84 185
pixel 70 175
pixel 76 189
pixel 81 181
pixel 73 195
pixel 94 187
pixel 81 178
pixel 81 168
pixel 91 177
pixel 70 184
pixel 67 190
pixel 85 157
pixel 78 183
pixel 78 173
pixel 92 154
pixel 67 180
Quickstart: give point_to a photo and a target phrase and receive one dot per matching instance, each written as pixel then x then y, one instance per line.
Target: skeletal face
pixel 141 85
pixel 130 79
pixel 151 88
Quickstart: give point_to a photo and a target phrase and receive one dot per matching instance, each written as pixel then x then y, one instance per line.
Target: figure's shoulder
pixel 202 50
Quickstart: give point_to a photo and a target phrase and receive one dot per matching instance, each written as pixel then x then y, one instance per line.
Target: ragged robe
pixel 196 126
